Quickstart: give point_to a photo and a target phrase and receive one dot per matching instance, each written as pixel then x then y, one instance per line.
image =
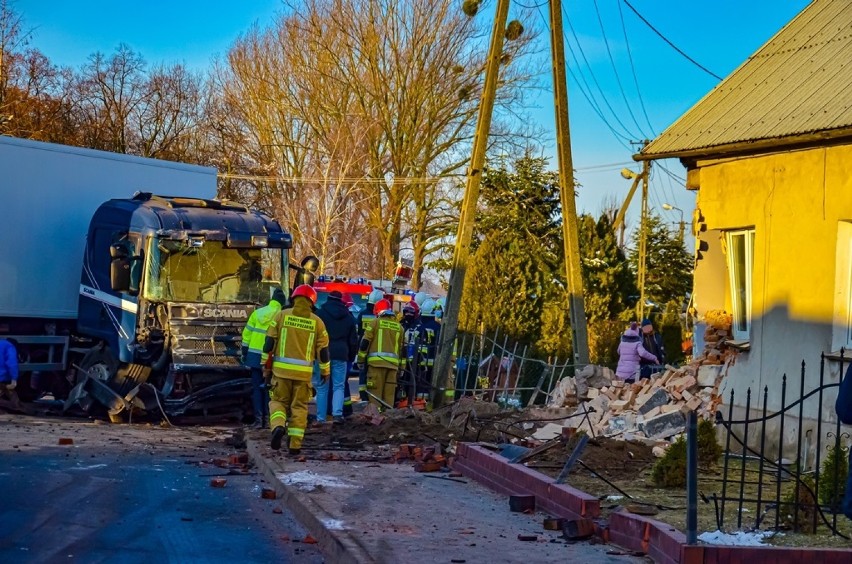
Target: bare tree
pixel 405 75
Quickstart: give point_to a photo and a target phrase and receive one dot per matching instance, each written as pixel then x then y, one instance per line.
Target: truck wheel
pixel 99 364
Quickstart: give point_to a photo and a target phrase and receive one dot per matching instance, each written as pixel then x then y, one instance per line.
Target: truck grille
pixel 209 344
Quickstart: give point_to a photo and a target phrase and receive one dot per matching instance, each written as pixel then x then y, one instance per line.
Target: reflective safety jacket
pixel 382 343
pixel 296 338
pixel 429 342
pixel 254 334
pixel 412 332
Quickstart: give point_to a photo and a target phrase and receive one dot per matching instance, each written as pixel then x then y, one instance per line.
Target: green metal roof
pixel 796 88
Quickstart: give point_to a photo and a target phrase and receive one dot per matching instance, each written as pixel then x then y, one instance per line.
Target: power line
pixel 587 94
pixel 592 74
pixel 633 68
pixel 672 45
pixel 614 69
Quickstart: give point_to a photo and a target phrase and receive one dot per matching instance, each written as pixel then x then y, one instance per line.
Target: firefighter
pixel 380 352
pixel 412 332
pixel 254 335
pixel 296 338
pixel 364 317
pixel 428 350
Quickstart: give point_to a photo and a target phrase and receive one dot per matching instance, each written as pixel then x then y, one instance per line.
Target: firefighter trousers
pixel 288 402
pixel 381 382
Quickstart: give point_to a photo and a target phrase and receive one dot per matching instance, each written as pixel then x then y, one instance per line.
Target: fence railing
pixel 782 493
pixel 493 368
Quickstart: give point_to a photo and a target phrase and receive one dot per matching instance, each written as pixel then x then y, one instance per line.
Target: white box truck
pixel 122 298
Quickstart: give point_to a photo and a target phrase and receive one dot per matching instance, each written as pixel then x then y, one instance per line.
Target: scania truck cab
pixel 167 286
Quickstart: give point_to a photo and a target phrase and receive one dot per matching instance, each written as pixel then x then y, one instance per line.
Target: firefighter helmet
pixel 305 291
pixel 428 308
pixel 382 307
pixel 375 296
pixel 411 310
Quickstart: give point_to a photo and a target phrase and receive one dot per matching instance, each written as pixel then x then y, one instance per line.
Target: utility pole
pixel 570 230
pixel 449 327
pixel 643 242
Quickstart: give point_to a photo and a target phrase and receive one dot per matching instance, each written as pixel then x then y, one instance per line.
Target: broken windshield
pixel 209 272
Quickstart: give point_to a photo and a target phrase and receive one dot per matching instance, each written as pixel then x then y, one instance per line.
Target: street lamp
pixel 669 207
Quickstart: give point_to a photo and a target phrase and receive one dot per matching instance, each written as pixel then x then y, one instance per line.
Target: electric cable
pixel 615 69
pixel 592 74
pixel 633 69
pixel 672 45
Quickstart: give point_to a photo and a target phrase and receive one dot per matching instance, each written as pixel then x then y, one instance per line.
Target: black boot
pixel 277 435
pixel 295 451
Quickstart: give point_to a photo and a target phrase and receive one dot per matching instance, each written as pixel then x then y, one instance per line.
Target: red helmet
pixel 411 309
pixel 348 301
pixel 306 292
pixel 381 307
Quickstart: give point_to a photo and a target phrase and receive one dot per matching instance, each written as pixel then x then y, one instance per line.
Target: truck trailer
pixel 124 299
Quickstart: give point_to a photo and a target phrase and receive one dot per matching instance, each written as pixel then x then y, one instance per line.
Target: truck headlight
pixel 259 241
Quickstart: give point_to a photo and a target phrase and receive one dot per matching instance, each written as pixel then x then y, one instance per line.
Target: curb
pixel 336 545
pixel 660 541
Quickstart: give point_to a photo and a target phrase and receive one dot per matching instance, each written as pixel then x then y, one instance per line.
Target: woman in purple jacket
pixel 630 351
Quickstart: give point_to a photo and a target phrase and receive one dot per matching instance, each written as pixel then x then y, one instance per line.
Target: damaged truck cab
pixel 167 286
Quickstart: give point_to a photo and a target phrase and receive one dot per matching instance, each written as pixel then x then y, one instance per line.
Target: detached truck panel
pixel 49 193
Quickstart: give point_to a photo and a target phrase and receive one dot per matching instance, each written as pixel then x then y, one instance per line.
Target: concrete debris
pixel 652 410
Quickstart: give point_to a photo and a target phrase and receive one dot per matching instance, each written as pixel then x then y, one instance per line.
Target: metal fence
pixel 495 368
pixel 756 477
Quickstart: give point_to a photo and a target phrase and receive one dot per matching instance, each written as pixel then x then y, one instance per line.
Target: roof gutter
pixel 748 147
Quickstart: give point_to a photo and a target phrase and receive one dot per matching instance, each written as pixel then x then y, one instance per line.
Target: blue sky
pixel 719 35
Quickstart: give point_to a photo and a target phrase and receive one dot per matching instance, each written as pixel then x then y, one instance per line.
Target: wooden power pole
pixel 570 230
pixel 643 242
pixel 450 324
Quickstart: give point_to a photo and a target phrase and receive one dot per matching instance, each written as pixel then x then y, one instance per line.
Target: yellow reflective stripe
pixel 255 329
pixel 325 365
pixel 293 367
pixel 290 360
pixel 294 432
pixel 362 388
pixel 449 392
pixel 309 351
pixel 277 415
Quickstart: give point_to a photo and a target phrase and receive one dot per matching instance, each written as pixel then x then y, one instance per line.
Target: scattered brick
pixel 218 482
pixel 268 493
pixel 578 529
pixel 66 441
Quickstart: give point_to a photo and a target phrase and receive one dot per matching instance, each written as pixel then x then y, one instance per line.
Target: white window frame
pixel 736 332
pixel 842 326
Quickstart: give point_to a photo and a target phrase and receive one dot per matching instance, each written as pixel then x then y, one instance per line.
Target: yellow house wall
pixel 794 201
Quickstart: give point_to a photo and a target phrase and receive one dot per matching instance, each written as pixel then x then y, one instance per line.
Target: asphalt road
pixel 130 494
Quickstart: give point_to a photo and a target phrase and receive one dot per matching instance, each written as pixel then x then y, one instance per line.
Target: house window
pixel 740 268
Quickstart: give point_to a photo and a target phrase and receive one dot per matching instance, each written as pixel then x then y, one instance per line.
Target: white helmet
pixel 428 308
pixel 375 296
pixel 420 298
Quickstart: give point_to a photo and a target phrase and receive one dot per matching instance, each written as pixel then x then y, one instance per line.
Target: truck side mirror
pixel 119 273
pixel 119 250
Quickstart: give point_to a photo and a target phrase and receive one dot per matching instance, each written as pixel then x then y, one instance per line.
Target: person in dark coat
pixel 653 343
pixel 343 347
pixel 843 406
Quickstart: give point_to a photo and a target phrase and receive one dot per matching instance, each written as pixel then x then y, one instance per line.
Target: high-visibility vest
pixel 254 334
pixel 385 337
pixel 298 342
